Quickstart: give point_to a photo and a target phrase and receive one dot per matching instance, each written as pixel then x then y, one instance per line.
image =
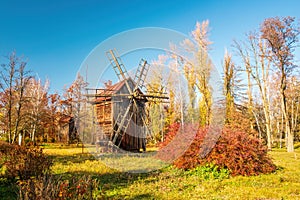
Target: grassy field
pixel 170 183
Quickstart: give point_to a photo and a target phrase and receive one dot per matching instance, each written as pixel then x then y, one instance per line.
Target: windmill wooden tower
pixel 121 108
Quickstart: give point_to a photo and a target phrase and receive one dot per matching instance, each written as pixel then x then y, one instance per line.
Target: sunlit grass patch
pixel 67 158
pixel 92 167
pixel 133 162
pixel 173 183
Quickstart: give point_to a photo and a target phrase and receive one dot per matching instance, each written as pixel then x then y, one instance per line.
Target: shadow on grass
pixel 109 181
pixel 107 186
pixel 140 196
pixel 8 189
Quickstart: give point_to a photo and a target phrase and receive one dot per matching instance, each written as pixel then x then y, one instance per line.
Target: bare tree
pixel 14 79
pixel 281 35
pixel 8 77
pixel 243 52
pixel 293 97
pixel 22 81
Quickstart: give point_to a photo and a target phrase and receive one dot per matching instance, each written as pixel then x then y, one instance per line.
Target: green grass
pixel 171 183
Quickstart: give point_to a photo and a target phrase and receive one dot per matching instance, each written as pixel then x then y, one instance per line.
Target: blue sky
pixel 56 36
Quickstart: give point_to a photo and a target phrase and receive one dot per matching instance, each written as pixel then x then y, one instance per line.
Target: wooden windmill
pixel 121 108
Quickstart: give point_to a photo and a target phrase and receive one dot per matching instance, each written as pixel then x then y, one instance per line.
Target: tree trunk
pixel 268 131
pixel 289 134
pixel 266 109
pixel 33 133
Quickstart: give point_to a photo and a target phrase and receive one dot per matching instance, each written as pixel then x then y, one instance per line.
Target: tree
pixel 229 79
pixel 281 35
pixel 22 81
pixel 276 112
pixel 178 86
pixel 154 108
pixel 246 67
pixel 14 80
pixel 197 71
pixel 257 64
pixel 37 103
pixel 8 77
pixel 293 97
pixel 53 114
pixel 165 77
pixel 74 103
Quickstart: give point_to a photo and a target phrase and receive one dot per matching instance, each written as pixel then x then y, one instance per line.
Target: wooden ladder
pixel 122 123
pixel 141 73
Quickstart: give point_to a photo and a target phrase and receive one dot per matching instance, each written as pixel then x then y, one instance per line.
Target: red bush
pixel 172 132
pixel 241 153
pixel 23 162
pixel 236 151
pixel 191 159
pixel 176 142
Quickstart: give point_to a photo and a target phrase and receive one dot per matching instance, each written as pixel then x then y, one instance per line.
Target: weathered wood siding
pixel 104 116
pixel 108 112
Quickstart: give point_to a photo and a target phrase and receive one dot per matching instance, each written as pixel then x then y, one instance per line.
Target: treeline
pixel 29 112
pixel 260 81
pixel 259 91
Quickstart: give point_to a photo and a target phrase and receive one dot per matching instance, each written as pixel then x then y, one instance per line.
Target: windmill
pixel 121 108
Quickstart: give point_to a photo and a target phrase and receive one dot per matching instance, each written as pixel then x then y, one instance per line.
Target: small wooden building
pixel 111 105
pixel 67 129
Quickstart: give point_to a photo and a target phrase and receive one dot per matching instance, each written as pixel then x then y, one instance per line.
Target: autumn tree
pixel 54 115
pixel 229 83
pixel 276 112
pixel 180 87
pixel 36 106
pixel 198 70
pixel 237 115
pixel 281 35
pixel 155 108
pixel 190 72
pixel 163 80
pixel 8 72
pixel 73 104
pixel 21 85
pixel 293 97
pixel 14 80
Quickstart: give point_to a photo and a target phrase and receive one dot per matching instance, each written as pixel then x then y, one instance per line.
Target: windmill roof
pixel 110 90
pixel 113 89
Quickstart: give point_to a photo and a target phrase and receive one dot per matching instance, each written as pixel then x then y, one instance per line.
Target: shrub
pixel 241 153
pixel 51 187
pixel 172 131
pixel 23 162
pixel 176 142
pixel 237 151
pixel 209 171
